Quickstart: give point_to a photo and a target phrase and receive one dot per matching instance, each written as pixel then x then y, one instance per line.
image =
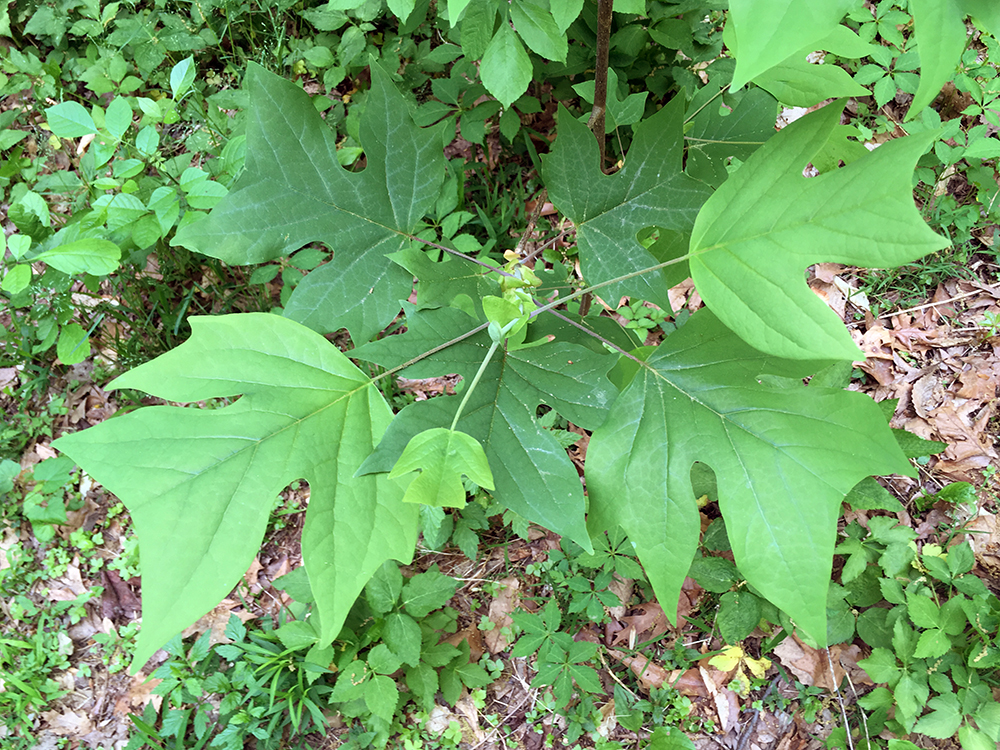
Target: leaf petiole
pixel 479 374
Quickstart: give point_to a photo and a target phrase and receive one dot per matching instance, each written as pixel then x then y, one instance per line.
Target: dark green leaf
pixel 739 614
pixel 428 591
pixel 533 475
pixel 293 192
pixel 609 210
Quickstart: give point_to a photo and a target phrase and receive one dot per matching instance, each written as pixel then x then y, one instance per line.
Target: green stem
pixel 580 292
pixel 715 96
pixel 430 352
pixel 474 383
pixel 544 308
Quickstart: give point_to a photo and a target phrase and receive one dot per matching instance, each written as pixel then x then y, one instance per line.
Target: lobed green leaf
pixel 200 483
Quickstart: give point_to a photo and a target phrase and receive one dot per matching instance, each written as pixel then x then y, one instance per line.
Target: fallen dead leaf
pixel 474 636
pixel 215 622
pixel 468 718
pixel 927 394
pixel 621 588
pixel 67 723
pixel 118 602
pixel 506 601
pixel 650 675
pixel 138 694
pixel 812 666
pixel 648 621
pixel 68 586
pixel 609 720
pixel 727 705
pixel 985 540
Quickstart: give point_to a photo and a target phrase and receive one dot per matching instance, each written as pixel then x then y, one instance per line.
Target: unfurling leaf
pixel 534 477
pixel 442 457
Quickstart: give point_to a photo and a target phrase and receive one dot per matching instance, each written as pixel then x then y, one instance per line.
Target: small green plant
pixel 935 648
pixel 561 662
pixel 28 666
pixel 118 646
pixel 165 141
pixel 991 323
pixel 404 620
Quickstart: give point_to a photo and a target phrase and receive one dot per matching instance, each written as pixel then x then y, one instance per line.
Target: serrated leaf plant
pixel 725 390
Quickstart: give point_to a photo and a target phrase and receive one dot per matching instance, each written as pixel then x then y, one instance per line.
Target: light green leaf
pixel 382 660
pixel 19 245
pixel 118 117
pixel 534 477
pixel 882 666
pixel 422 680
pixel 842 41
pixel 293 192
pixel 987 12
pixel 381 696
pixel 147 140
pixel 769 31
pixel 537 27
pixel 973 739
pixel 89 255
pixel 932 644
pixel 206 195
pixel 442 457
pixel 627 111
pixel 505 68
pixel 70 120
pixel 943 720
pixel 638 7
pixel 939 26
pixel 784 456
pixel 923 611
pixel 911 695
pixel 798 83
pixel 758 233
pixel 477 29
pixel 319 56
pixel 122 209
pixel 297 634
pixel 200 483
pixel 564 12
pixel 402 634
pixel 455 8
pixel 987 717
pixel 73 346
pixel 10 138
pixel 609 210
pixel 669 738
pixel 428 591
pixel 16 279
pixel 382 590
pixel 402 8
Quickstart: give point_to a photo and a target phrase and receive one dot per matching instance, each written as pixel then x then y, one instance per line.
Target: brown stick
pixel 597 114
